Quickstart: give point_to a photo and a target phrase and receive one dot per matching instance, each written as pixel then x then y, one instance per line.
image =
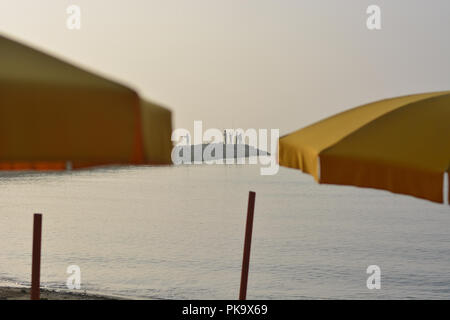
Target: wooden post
pixel 36 262
pixel 247 245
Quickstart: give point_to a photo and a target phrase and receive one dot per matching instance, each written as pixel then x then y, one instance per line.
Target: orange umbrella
pixel 53 113
pixel 400 144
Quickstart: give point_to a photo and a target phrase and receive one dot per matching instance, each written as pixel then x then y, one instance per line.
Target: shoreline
pixel 23 293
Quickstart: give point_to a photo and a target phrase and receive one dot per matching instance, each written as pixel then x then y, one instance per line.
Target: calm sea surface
pixel 177 232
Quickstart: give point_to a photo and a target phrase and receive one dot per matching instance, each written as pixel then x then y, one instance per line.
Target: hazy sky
pixel 248 63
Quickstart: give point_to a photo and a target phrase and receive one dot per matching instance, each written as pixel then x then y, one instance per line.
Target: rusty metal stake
pixel 247 246
pixel 36 262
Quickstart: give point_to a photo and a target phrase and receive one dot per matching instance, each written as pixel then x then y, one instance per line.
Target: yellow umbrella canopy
pixel 400 144
pixel 52 112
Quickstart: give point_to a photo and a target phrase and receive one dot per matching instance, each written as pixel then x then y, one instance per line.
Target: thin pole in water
pixel 36 260
pixel 247 245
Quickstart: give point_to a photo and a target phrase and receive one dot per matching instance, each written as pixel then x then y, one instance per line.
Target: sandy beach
pixel 9 293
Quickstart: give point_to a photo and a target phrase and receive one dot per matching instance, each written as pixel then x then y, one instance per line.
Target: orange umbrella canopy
pixel 52 112
pixel 400 144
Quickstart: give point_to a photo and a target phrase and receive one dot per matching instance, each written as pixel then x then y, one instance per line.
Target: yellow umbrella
pixel 52 112
pixel 400 144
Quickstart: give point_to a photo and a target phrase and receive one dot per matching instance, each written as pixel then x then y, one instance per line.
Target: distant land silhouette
pixel 191 153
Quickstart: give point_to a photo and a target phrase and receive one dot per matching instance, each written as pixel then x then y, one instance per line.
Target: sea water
pixel 177 233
